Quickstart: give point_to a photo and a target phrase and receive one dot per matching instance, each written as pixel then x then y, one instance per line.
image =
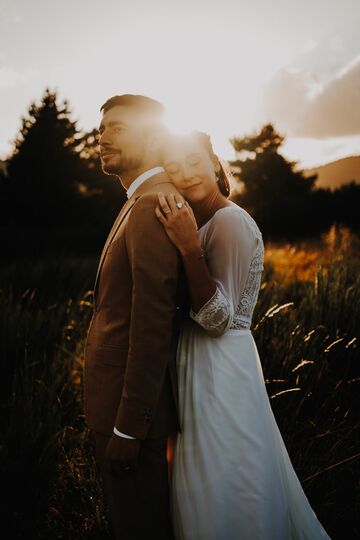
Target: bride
pixel 232 477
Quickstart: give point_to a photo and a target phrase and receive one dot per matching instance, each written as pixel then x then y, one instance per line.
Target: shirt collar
pixel 141 179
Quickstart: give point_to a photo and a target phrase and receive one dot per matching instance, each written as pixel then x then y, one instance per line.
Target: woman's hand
pixel 179 223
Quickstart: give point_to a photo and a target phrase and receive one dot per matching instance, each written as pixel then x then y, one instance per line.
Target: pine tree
pixel 55 195
pixel 45 165
pixel 278 197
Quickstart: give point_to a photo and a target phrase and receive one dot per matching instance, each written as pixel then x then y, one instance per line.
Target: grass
pixel 306 325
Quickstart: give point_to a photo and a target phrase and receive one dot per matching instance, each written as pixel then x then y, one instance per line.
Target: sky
pixel 221 66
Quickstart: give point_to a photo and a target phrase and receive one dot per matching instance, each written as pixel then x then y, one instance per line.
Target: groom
pixel 130 384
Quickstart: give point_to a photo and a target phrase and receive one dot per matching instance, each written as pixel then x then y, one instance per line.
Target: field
pixel 306 326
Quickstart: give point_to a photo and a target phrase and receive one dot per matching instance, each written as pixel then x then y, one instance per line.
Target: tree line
pixel 284 202
pixel 55 196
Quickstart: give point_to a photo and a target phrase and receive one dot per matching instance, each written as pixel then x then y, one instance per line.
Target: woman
pixel 232 476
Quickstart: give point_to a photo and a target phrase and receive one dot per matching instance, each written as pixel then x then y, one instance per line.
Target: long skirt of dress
pixel 232 475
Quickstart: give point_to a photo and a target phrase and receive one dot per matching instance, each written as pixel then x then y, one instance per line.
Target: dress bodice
pixel 234 251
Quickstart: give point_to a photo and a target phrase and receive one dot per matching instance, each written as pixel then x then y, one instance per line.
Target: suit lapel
pixel 162 178
pixel 124 210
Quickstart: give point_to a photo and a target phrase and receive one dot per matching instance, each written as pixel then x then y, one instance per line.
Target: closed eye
pixel 194 162
pixel 172 169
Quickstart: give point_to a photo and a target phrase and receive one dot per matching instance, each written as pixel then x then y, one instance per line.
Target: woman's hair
pixel 224 174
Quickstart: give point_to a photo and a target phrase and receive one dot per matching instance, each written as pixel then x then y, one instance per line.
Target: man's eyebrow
pixel 112 124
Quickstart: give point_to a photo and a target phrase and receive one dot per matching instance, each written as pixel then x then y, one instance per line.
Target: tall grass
pixel 306 325
pixel 48 473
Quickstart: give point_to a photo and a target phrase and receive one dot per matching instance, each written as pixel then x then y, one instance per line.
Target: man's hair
pixel 144 105
pixel 150 112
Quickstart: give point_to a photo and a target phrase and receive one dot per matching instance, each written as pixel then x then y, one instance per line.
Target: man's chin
pixel 110 169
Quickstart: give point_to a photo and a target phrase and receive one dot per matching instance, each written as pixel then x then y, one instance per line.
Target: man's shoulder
pixel 149 199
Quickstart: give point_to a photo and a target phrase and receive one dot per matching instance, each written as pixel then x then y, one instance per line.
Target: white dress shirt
pixel 141 179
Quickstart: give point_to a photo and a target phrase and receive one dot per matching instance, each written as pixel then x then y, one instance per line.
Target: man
pixel 130 385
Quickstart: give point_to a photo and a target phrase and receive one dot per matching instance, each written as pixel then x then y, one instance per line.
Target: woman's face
pixel 190 169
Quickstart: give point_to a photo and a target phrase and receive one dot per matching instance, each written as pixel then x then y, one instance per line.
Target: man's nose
pixel 104 139
pixel 188 172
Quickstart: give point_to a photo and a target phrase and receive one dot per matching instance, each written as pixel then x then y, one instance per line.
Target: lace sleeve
pixel 215 315
pixel 229 244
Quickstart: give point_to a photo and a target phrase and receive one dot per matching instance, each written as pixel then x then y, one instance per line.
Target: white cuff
pixel 120 434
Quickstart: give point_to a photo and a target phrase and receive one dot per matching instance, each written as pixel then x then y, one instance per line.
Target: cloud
pixel 284 98
pixel 336 110
pixel 300 104
pixel 318 95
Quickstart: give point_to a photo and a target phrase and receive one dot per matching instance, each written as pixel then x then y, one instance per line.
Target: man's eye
pixel 172 170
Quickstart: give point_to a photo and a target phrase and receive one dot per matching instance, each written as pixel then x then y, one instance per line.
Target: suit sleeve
pixel 155 264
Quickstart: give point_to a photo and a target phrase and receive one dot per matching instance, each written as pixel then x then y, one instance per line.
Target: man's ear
pixel 154 143
pixel 157 138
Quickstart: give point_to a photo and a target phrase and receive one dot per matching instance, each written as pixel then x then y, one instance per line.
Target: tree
pixel 346 205
pixel 44 166
pixel 56 194
pixel 278 197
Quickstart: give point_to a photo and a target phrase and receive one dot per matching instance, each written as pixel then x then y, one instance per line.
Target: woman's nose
pixel 187 172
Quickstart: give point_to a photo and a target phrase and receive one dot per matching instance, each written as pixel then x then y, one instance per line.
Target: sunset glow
pixel 221 67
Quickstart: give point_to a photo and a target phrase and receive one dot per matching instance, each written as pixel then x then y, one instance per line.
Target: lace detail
pixel 217 315
pixel 245 309
pixel 214 315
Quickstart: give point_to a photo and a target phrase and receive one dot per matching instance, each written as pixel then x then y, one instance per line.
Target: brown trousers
pixel 138 501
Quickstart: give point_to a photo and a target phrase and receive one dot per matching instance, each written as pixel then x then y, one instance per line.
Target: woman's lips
pixel 107 154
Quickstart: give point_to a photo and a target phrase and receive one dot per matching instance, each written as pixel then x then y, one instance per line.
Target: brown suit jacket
pixel 140 300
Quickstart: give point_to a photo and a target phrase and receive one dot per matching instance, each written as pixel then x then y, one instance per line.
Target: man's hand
pixel 121 455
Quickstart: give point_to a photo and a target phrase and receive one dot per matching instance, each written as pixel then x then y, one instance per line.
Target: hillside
pixel 336 173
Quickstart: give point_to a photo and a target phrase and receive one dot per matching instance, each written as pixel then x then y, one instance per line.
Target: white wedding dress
pixel 232 477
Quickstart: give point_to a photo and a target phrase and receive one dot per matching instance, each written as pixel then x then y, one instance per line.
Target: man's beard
pixel 120 164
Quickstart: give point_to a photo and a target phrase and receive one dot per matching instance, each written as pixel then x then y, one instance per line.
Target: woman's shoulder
pixel 233 216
